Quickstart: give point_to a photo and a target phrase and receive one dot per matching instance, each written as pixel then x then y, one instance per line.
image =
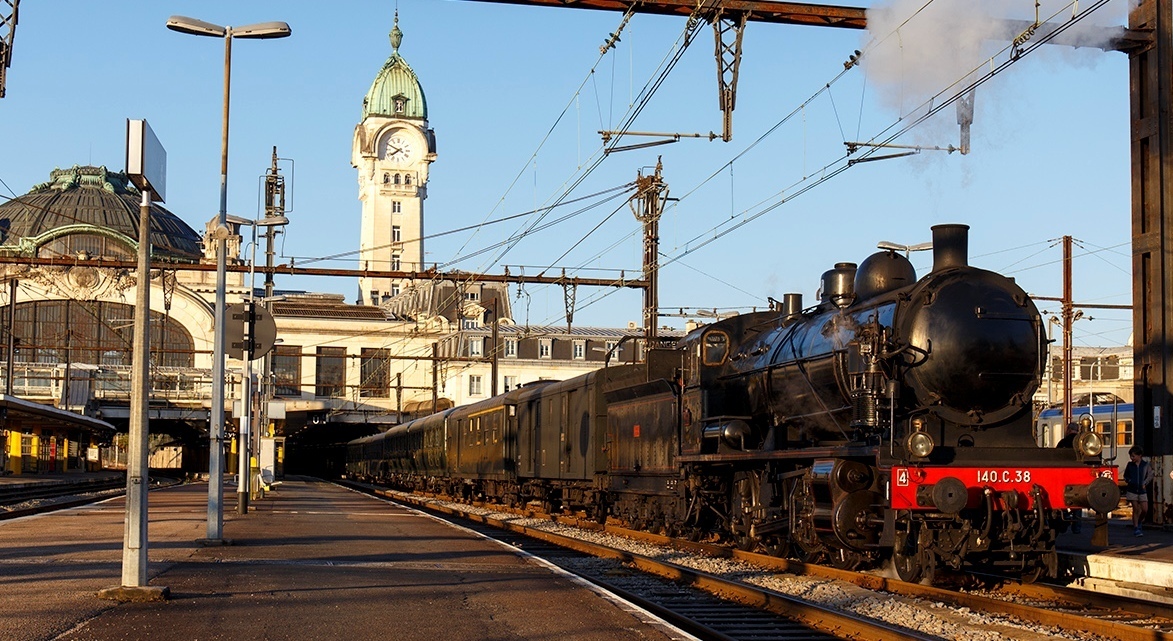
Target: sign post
pixel 146 166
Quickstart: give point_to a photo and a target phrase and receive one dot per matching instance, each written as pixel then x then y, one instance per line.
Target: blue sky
pixel 516 96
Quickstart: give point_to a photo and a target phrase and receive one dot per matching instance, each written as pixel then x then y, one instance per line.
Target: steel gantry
pixel 8 15
pixel 728 18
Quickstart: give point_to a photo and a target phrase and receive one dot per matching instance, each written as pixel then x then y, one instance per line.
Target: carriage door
pixel 576 428
pixel 527 440
pixel 550 437
pixel 509 439
pixel 456 462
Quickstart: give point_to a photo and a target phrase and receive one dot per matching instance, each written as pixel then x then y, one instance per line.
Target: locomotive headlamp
pixel 919 444
pixel 1089 444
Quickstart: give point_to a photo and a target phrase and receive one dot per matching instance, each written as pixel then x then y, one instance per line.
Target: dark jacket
pixel 1137 477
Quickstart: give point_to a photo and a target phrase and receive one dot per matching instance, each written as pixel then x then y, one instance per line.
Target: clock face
pixel 397 149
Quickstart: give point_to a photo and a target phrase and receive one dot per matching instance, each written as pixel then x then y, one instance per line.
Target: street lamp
pixel 260 30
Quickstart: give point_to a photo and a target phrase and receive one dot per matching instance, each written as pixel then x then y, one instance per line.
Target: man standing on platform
pixel 1138 475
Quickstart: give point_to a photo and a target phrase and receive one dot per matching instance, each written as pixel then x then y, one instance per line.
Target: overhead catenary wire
pixel 835 167
pixel 596 158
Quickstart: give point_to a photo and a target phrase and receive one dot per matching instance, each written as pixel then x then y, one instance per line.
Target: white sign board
pixel 146 160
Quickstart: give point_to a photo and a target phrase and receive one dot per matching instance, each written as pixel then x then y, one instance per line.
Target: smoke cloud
pixel 917 48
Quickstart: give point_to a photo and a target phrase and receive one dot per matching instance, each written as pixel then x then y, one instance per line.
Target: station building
pixel 406 347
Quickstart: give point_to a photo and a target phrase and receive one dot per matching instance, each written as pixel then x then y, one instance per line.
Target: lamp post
pixel 261 30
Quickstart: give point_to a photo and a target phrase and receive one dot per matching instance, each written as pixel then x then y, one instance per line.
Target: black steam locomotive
pixel 892 420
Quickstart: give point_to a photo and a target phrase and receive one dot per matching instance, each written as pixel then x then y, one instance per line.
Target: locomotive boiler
pixel 891 420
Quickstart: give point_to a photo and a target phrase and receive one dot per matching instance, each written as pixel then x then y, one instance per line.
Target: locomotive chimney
pixel 950 246
pixel 791 306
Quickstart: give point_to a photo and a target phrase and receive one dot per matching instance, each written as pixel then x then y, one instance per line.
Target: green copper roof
pixel 396 91
pixel 91 201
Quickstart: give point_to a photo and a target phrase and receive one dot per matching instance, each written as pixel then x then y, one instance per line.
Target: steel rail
pixel 110 489
pixel 835 622
pixel 1113 607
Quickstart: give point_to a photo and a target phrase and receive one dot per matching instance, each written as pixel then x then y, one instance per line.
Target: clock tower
pixel 392 150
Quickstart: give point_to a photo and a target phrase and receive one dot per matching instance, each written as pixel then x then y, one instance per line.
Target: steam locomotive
pixel 890 421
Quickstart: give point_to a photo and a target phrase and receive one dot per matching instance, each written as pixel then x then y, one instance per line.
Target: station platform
pixel 1129 565
pixel 309 561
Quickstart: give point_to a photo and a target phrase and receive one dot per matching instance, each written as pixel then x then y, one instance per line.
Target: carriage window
pixel 1124 433
pixel 716 346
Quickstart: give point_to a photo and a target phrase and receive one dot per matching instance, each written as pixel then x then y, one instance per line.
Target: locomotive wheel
pixel 806 550
pixel 908 566
pixel 742 538
pixel 778 546
pixel 1032 574
pixel 911 564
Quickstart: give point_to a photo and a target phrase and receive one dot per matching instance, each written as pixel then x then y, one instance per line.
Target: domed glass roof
pixel 396 91
pixel 93 211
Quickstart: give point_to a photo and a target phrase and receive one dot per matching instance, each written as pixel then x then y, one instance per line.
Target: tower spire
pixel 396 34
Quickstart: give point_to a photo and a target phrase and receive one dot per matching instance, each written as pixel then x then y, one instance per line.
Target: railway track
pixel 38 498
pixel 1048 606
pixel 704 605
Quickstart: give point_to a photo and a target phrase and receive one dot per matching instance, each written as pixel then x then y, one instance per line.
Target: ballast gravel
pixel 924 616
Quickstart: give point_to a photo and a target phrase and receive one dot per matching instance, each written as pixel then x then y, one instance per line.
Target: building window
pixel 396 234
pixel 545 346
pixel 472 295
pixel 396 207
pixel 510 383
pixel 287 370
pixel 474 385
pixel 470 323
pixel 1103 368
pixel 395 262
pixel 611 349
pixel 394 290
pixel 510 348
pixel 476 346
pixel 400 105
pixel 330 373
pixel 375 370
pixel 579 350
pixel 407 179
pixel 386 178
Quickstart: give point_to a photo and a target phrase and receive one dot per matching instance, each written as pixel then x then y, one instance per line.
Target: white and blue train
pixel 1112 420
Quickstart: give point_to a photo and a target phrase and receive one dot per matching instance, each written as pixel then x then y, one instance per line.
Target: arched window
pixel 93 246
pixel 407 179
pixel 396 179
pixel 95 332
pixel 386 178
